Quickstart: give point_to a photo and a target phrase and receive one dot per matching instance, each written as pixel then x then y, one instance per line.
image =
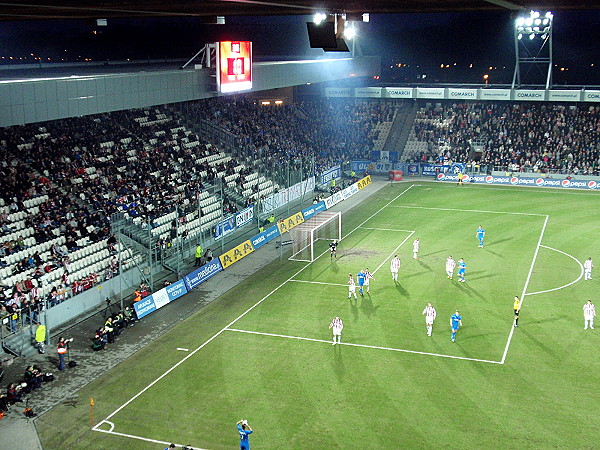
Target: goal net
pixel 310 239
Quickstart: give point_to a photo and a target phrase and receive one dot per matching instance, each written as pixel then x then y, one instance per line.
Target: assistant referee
pixel 517 308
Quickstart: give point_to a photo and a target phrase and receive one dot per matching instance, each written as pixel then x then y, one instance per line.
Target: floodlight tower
pixel 533 45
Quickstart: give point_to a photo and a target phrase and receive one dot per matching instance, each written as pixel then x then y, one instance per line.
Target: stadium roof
pixel 66 9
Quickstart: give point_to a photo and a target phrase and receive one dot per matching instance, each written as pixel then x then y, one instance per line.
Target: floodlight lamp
pixel 545 21
pixel 535 14
pixel 531 36
pixel 549 15
pixel 520 36
pixel 365 17
pixel 537 21
pixel 349 32
pixel 536 29
pixel 544 36
pixel 319 17
pixel 520 22
pixel 529 21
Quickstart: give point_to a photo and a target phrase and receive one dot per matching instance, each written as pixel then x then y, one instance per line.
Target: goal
pixel 325 226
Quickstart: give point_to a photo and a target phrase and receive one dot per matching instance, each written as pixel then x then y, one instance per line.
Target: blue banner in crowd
pixel 244 217
pixel 202 274
pixel 384 155
pixel 331 174
pixel 225 227
pixel 360 166
pixel 431 170
pixel 160 298
pixel 313 210
pixel 262 238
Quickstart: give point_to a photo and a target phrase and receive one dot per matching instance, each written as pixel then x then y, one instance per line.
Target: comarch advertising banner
pixel 522 181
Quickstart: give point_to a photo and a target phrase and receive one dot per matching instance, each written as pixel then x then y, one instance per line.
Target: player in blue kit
pixel 244 430
pixel 462 268
pixel 361 277
pixel 480 235
pixel 455 323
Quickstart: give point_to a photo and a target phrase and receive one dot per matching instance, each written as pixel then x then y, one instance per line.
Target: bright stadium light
pixel 319 18
pixel 538 27
pixel 349 32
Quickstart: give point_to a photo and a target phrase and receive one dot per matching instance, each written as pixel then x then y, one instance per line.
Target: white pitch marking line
pixel 364 346
pixel 394 252
pixel 318 282
pixel 469 210
pixel 145 439
pixel 238 318
pixel 566 285
pixel 387 229
pixel 523 294
pixel 183 349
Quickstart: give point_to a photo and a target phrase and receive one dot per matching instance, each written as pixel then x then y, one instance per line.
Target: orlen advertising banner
pixel 236 253
pixel 399 92
pixel 291 222
pixel 312 210
pixel 521 181
pixel 331 174
pixel 160 299
pixel 199 276
pixel 262 238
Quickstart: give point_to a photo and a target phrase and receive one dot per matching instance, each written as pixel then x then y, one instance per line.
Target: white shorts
pixel 352 289
pixel 366 283
pixel 394 271
pixel 429 320
pixel 337 331
pixel 586 317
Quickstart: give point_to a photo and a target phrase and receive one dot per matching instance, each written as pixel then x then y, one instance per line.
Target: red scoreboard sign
pixel 234 66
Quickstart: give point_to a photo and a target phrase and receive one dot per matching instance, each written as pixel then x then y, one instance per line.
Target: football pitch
pixel 264 352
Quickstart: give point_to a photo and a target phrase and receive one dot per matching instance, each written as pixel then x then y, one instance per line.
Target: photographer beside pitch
pixel 244 430
pixel 62 349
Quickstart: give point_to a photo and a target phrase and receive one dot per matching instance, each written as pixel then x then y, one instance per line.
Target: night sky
pixel 420 43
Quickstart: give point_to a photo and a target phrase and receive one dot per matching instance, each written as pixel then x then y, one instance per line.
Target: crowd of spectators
pixel 328 131
pixel 515 137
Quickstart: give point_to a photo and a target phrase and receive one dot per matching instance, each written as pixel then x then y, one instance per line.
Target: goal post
pixel 326 226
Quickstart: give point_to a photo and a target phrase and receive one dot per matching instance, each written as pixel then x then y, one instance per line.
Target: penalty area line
pixel 468 210
pixel 376 347
pixel 318 282
pixel 394 252
pixel 218 333
pixel 523 294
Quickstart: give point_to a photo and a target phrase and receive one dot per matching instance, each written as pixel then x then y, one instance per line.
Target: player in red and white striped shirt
pixel 429 313
pixel 394 267
pixel 589 311
pixel 337 326
pixel 368 276
pixel 351 287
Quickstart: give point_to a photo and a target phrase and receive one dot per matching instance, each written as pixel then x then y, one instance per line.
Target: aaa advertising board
pixel 234 66
pixel 364 182
pixel 522 181
pixel 199 276
pixel 236 253
pixel 291 222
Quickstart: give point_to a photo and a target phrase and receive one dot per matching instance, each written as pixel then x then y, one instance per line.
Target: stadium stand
pixel 509 137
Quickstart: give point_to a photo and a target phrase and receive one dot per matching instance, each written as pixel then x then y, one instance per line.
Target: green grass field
pixel 389 385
